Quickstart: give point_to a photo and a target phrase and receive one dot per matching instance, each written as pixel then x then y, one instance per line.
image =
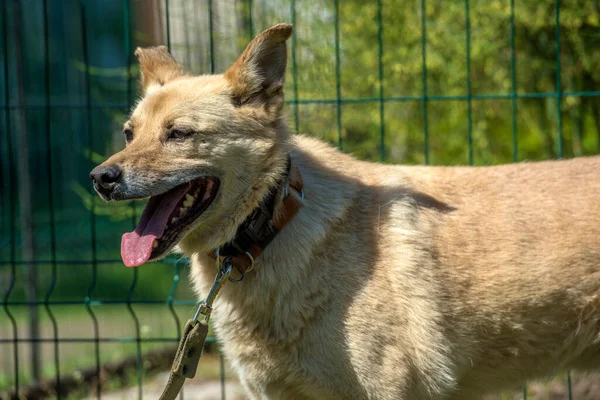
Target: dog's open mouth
pixel 165 217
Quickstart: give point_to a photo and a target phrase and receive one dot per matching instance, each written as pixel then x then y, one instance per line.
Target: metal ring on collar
pixel 245 272
pixel 251 260
pixel 237 280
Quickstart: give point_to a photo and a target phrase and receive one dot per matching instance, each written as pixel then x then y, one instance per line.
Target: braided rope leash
pixel 194 335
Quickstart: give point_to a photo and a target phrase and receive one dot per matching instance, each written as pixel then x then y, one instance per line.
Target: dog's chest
pixel 266 332
pixel 263 351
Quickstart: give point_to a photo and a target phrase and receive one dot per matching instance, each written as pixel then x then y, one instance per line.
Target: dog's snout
pixel 105 178
pixel 105 175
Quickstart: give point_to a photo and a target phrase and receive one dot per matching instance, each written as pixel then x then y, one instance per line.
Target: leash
pixel 194 335
pixel 257 231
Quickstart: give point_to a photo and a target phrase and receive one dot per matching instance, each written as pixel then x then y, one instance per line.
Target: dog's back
pixel 520 259
pixel 497 269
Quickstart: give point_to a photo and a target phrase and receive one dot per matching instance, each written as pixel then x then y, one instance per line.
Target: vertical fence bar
pixel 197 44
pixel 48 134
pixel 559 89
pixel 222 373
pixel 338 83
pixel 380 80
pixel 513 96
pixel 25 191
pixel 127 46
pixel 469 100
pixel 211 37
pixel 88 115
pixel 170 306
pixel 250 20
pixel 23 186
pixel 168 24
pixel 11 202
pixel 294 67
pixel 186 34
pixel 424 69
pixel 138 342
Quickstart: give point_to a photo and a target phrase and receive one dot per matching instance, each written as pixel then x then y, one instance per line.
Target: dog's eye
pixel 128 135
pixel 178 135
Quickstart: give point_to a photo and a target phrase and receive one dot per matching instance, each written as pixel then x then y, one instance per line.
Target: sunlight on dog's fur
pixel 391 282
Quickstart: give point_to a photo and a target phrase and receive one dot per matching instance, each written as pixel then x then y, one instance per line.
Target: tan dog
pixel 390 282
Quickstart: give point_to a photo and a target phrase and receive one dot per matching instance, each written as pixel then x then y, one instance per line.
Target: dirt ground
pixel 195 389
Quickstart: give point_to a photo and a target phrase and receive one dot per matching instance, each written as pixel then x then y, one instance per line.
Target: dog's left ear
pixel 157 67
pixel 258 75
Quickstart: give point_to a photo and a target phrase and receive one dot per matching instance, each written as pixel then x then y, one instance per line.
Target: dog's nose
pixel 105 177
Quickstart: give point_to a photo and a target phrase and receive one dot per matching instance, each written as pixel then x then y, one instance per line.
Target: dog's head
pixel 204 149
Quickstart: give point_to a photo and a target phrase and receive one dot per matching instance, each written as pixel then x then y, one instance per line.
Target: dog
pixel 381 281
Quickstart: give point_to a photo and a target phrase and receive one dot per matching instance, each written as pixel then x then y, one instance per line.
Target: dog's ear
pixel 258 75
pixel 157 67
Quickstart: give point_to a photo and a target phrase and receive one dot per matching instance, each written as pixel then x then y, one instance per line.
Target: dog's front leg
pixel 251 390
pixel 277 390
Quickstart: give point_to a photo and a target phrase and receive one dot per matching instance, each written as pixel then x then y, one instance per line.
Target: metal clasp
pixel 287 191
pixel 223 271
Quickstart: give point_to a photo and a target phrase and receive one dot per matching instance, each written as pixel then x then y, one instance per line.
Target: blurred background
pixel 416 81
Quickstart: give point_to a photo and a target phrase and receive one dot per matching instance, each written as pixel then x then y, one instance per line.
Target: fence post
pixel 25 215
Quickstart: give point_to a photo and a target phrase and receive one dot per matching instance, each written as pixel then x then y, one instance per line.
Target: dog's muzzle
pixel 106 178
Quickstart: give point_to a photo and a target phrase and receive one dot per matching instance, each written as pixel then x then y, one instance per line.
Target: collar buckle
pixel 261 226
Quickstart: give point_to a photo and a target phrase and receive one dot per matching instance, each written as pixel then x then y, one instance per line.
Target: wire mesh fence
pixel 420 81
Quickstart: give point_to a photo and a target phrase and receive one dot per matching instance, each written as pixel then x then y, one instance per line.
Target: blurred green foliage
pixel 535 68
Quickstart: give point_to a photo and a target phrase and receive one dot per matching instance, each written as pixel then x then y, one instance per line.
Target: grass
pixel 156 326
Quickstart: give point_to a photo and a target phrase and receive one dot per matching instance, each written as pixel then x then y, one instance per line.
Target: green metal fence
pixel 420 81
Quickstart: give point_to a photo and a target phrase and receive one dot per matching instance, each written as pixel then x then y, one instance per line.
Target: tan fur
pixel 391 282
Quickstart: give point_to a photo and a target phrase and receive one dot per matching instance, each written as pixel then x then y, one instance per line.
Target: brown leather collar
pixel 262 225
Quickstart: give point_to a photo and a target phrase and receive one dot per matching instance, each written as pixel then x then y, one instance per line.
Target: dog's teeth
pixel 189 200
pixel 182 211
pixel 174 220
pixel 154 244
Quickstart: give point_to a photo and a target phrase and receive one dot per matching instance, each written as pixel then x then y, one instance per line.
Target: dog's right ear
pixel 157 67
pixel 258 75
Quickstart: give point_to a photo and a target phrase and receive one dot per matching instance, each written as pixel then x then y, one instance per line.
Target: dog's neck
pixel 262 225
pixel 285 276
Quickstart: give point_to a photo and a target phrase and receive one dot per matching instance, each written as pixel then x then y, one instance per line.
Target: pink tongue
pixel 136 246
